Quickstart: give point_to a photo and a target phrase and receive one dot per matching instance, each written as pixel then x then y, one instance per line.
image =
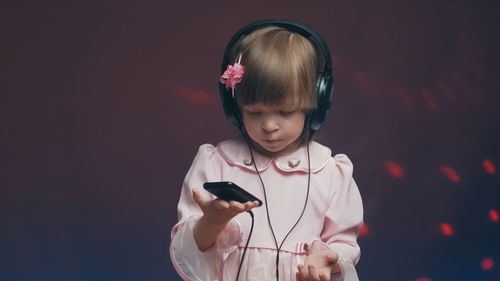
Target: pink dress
pixel 333 215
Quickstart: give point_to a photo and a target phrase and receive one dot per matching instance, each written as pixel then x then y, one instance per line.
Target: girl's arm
pixel 188 260
pixel 344 218
pixel 338 251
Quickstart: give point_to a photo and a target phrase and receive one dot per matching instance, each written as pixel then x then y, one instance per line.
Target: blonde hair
pixel 280 66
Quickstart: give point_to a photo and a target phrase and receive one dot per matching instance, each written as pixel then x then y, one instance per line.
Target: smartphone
pixel 228 191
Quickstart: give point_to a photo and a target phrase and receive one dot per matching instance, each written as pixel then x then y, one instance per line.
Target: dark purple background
pixel 103 106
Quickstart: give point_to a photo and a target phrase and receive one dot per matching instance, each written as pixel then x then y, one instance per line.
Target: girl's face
pixel 274 129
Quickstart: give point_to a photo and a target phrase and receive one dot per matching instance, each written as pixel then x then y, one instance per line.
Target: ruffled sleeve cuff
pixel 347 273
pixel 192 264
pixel 230 237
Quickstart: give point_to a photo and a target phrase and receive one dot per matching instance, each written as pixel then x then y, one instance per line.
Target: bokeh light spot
pixel 365 82
pixel 450 174
pixel 446 229
pixel 394 169
pixel 489 167
pixel 194 96
pixel 405 99
pixel 363 231
pixel 429 100
pixel 493 215
pixel 487 264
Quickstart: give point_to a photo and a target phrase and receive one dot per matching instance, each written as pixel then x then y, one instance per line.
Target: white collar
pixel 236 152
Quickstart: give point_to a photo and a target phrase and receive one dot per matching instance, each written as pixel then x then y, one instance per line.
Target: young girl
pixel 274 90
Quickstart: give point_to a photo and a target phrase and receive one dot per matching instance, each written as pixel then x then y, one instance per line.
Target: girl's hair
pixel 280 66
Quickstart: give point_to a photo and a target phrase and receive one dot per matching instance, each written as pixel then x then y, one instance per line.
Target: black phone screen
pixel 228 191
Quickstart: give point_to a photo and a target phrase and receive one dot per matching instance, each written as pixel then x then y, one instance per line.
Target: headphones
pixel 324 79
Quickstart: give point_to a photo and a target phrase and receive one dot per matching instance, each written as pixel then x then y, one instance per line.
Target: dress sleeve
pixel 189 262
pixel 344 217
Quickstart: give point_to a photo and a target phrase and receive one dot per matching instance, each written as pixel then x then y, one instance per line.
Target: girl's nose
pixel 270 125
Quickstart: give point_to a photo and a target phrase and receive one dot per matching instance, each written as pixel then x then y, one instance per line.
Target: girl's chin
pixel 274 149
pixel 272 146
pixel 266 150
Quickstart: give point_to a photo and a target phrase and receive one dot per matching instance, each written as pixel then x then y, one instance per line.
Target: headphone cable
pixel 301 214
pixel 246 245
pixel 278 248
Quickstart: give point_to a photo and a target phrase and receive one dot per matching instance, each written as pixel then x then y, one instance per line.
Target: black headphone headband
pixel 293 26
pixel 324 80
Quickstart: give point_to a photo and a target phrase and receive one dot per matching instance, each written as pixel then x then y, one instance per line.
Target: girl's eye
pixel 253 112
pixel 287 113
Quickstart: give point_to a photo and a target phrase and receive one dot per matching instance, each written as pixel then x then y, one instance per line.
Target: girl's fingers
pixel 303 272
pixel 323 277
pixel 250 205
pixel 313 275
pixel 204 201
pixel 237 207
pixel 233 206
pixel 221 204
pixel 243 207
pixel 331 258
pixel 198 198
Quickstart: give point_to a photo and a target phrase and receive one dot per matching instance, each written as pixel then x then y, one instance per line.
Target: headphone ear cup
pixel 324 94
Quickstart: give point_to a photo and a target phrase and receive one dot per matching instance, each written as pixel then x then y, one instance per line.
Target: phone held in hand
pixel 228 191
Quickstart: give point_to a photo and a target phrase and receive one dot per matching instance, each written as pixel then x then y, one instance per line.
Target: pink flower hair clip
pixel 233 75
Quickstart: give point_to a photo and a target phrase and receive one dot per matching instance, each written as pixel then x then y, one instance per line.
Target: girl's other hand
pixel 320 264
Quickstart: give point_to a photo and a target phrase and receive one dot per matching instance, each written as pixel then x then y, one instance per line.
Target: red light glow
pixel 394 169
pixel 489 167
pixel 194 96
pixel 493 215
pixel 428 99
pixel 339 64
pixel 423 279
pixel 446 229
pixel 365 81
pixel 405 99
pixel 363 230
pixel 450 174
pixel 487 264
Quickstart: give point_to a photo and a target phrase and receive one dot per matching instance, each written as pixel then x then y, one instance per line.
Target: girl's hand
pixel 216 214
pixel 219 211
pixel 319 265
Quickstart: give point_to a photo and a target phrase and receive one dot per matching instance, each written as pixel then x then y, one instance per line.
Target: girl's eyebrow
pixel 288 107
pixel 249 106
pixel 253 105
